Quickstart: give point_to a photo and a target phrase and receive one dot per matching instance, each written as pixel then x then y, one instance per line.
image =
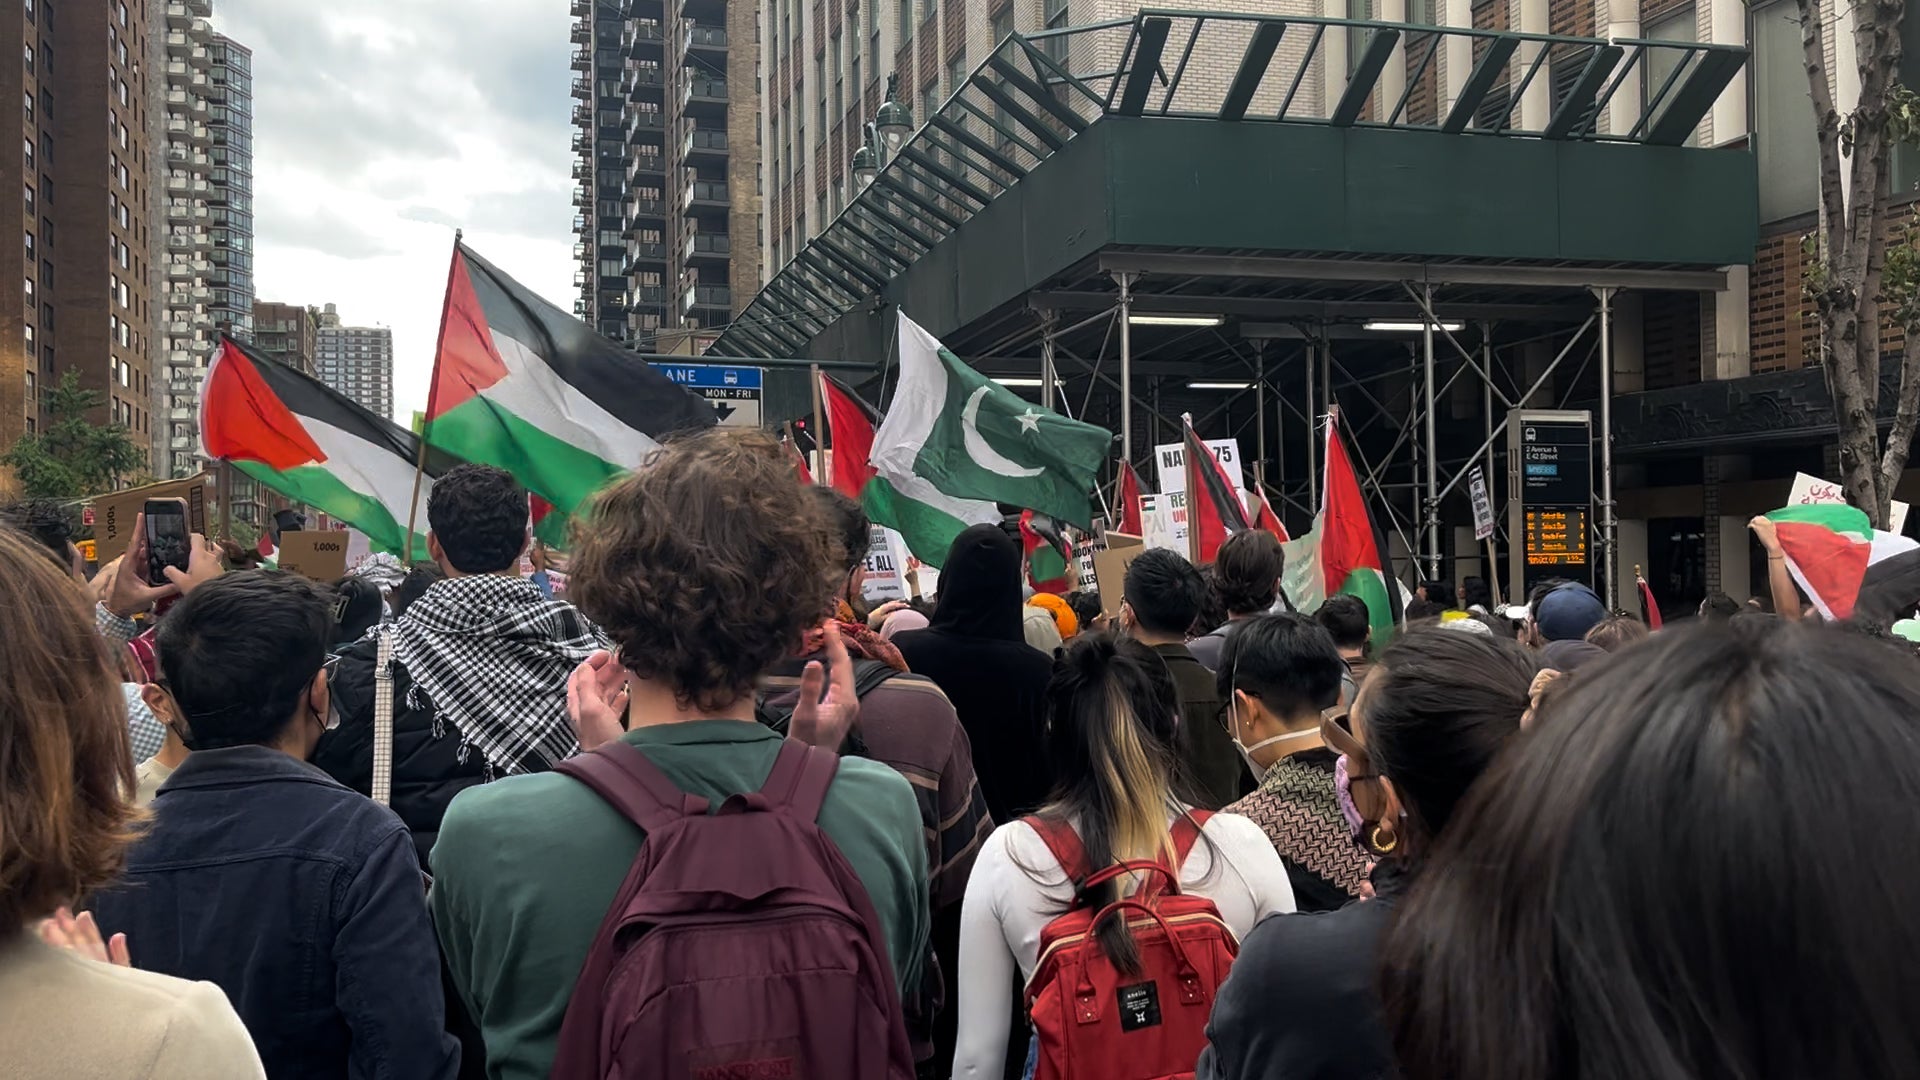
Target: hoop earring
pixel 1386 846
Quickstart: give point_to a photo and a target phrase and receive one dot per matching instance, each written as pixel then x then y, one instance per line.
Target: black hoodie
pixel 974 650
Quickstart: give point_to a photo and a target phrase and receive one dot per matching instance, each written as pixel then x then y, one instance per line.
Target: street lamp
pixel 866 162
pixel 894 121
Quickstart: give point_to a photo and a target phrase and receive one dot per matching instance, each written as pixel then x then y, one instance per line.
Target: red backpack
pixel 1092 1021
pixel 741 946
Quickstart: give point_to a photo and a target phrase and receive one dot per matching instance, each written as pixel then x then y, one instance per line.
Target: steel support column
pixel 1432 449
pixel 1047 377
pixel 1125 281
pixel 1260 412
pixel 1608 524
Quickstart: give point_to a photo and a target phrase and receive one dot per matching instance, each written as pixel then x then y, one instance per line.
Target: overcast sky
pixel 380 126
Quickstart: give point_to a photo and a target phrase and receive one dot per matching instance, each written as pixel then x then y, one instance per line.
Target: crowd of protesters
pixel 711 814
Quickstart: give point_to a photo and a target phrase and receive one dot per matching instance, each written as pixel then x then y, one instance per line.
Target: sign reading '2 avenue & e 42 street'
pixel 734 391
pixel 1550 483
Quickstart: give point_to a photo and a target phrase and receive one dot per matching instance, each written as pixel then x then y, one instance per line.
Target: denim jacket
pixel 302 900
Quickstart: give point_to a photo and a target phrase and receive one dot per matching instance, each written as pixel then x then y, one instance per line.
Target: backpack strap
pixel 1185 834
pixel 1065 845
pixel 622 775
pixel 800 778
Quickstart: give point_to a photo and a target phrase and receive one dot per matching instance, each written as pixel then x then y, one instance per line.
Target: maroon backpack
pixel 741 946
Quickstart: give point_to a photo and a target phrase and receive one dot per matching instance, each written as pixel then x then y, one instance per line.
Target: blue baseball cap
pixel 1568 612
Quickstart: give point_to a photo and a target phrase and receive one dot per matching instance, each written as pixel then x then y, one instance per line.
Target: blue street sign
pixel 712 377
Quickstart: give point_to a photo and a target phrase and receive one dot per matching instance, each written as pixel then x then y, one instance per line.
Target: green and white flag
pixel 955 442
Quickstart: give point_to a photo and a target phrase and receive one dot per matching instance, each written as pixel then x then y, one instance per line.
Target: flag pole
pixel 819 432
pixel 433 389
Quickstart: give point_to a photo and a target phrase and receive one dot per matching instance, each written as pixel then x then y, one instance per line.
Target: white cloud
pixel 379 126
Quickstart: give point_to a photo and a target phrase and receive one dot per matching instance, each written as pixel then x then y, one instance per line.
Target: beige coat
pixel 64 1017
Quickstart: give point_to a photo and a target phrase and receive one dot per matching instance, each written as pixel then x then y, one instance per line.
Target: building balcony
pixel 182 158
pixel 583 170
pixel 643 39
pixel 646 296
pixel 582 59
pixel 181 13
pixel 705 39
pixel 186 103
pixel 707 246
pixel 706 194
pixel 708 145
pixel 583 197
pixel 583 89
pixel 648 210
pixel 704 10
pixel 581 8
pixel 184 212
pixel 582 116
pixel 641 82
pixel 706 296
pixel 644 254
pixel 582 144
pixel 647 163
pixel 188 187
pixel 182 130
pixel 582 32
pixel 705 97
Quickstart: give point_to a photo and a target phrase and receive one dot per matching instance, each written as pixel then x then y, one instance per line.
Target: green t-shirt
pixel 526 867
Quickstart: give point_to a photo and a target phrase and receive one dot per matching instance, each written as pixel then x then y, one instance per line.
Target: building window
pixel 820 88
pixel 1663 63
pixel 1055 13
pixel 1786 145
pixel 956 73
pixel 29 59
pixel 1000 27
pixel 906 21
pixel 29 247
pixel 839 85
pixel 28 97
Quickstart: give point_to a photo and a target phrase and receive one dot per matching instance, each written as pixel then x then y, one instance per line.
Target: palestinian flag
pixel 1345 552
pixel 1830 549
pixel 955 443
pixel 1263 516
pixel 1129 499
pixel 850 421
pixel 1213 505
pixel 520 384
pixel 1048 553
pixel 295 436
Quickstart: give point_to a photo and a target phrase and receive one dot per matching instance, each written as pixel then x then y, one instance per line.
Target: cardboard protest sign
pixel 317 554
pixel 1812 491
pixel 1110 569
pixel 115 513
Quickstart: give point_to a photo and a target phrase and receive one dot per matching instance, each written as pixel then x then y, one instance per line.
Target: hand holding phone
pixel 168 543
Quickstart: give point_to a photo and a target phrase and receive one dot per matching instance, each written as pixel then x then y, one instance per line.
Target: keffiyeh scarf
pixel 490 655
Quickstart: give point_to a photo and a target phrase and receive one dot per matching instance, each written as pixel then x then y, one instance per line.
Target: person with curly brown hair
pixel 1246 581
pixel 705 567
pixel 66 821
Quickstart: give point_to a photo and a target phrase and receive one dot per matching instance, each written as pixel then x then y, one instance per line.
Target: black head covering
pixel 980 586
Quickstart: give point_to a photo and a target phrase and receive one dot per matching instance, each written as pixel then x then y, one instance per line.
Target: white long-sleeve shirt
pixel 1006 909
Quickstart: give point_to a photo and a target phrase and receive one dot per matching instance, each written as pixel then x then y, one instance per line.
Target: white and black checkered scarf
pixel 491 656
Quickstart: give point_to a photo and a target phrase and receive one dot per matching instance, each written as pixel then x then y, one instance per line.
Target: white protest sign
pixel 886 567
pixel 1813 491
pixel 1163 522
pixel 1172 461
pixel 1482 503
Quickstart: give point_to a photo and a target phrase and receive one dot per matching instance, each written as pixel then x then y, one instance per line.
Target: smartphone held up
pixel 168 541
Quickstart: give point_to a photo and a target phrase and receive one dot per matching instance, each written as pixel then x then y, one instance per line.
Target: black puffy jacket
pixel 427 770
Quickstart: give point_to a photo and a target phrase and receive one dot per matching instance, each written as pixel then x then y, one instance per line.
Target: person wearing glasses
pixel 1302 1001
pixel 296 895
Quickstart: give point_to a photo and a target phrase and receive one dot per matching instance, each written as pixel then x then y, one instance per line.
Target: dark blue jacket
pixel 302 900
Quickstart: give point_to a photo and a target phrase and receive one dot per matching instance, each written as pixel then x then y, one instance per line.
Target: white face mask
pixel 1258 770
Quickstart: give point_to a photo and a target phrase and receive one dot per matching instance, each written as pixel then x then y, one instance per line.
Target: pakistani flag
pixel 524 386
pixel 305 441
pixel 955 443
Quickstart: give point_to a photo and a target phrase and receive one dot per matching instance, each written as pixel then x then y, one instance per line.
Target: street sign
pixel 1550 489
pixel 734 391
pixel 1482 503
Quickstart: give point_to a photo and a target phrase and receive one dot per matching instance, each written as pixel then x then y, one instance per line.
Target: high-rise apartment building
pixel 665 114
pixel 207 173
pixel 81 221
pixel 289 333
pixel 357 361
